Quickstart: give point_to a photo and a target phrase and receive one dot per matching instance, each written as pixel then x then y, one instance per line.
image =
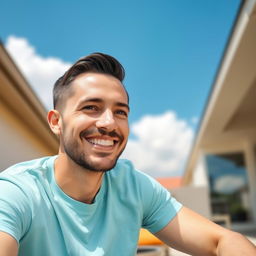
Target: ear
pixel 54 121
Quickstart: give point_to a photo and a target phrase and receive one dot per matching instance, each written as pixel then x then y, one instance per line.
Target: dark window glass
pixel 228 185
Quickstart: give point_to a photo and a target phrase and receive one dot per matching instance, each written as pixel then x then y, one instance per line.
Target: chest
pixel 110 226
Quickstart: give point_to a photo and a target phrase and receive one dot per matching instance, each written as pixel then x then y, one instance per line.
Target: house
pixel 223 157
pixel 24 131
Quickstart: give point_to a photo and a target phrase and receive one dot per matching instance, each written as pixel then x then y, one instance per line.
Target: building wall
pixel 200 174
pixel 18 143
pixel 195 198
pixel 24 132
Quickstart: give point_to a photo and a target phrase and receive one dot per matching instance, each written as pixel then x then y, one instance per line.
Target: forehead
pixel 97 85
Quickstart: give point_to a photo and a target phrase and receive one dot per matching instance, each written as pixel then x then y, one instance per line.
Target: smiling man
pixel 85 201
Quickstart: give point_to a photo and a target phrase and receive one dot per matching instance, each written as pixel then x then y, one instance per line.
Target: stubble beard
pixel 71 149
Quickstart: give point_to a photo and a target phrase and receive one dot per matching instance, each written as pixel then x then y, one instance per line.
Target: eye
pixel 90 108
pixel 121 113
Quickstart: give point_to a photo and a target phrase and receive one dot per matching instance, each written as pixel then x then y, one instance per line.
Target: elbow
pixel 231 241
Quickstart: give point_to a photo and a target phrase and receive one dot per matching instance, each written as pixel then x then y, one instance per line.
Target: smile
pixel 101 142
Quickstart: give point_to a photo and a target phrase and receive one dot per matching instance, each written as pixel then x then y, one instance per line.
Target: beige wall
pixel 17 142
pixel 24 132
pixel 195 198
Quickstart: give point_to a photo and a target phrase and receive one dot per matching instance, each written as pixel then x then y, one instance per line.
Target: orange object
pixel 146 238
pixel 170 182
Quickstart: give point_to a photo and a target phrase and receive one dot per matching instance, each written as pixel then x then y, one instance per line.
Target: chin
pixel 103 167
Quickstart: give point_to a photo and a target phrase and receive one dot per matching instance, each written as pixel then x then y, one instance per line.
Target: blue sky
pixel 170 49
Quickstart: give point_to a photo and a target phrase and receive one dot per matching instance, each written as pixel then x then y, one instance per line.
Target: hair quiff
pixel 97 63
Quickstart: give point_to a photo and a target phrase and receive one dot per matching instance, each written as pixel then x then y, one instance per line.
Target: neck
pixel 77 182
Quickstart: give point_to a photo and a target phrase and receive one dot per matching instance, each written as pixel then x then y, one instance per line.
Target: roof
pixel 228 122
pixel 22 104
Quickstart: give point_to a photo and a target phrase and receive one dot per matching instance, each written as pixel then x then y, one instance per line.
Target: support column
pixel 250 160
pixel 200 176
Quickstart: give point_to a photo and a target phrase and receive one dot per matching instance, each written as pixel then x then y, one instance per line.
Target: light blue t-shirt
pixel 46 221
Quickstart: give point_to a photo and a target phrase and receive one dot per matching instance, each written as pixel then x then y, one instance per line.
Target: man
pixel 85 201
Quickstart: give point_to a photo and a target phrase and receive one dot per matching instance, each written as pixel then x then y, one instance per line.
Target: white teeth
pixel 101 142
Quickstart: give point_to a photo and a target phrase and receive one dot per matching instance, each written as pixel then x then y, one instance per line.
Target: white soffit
pixel 235 77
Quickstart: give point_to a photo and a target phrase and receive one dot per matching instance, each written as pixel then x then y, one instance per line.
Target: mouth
pixel 102 142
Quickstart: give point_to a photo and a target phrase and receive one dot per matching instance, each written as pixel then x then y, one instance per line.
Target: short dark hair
pixel 96 63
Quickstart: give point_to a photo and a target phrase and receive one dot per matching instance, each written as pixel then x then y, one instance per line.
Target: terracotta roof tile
pixel 170 182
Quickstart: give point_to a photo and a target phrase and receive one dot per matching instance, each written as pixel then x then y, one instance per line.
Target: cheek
pixel 78 124
pixel 68 130
pixel 84 120
pixel 125 129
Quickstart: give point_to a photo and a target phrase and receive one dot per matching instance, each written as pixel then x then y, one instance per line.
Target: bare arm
pixel 8 245
pixel 191 233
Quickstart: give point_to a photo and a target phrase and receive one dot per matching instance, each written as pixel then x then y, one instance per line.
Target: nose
pixel 106 121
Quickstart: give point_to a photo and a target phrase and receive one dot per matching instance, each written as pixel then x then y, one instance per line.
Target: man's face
pixel 94 121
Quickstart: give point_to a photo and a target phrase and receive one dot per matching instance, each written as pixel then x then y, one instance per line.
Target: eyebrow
pixel 99 100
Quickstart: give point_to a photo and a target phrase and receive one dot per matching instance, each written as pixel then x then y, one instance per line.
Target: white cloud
pixel 162 144
pixel 229 183
pixel 40 72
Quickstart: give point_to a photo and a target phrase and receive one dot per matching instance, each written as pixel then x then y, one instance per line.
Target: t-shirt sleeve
pixel 15 214
pixel 159 206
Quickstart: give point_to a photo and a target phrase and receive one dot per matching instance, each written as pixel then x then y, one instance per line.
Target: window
pixel 228 185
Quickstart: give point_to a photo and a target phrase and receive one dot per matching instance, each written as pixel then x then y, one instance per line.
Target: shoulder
pixel 26 168
pixel 20 194
pixel 157 204
pixel 24 175
pixel 126 176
